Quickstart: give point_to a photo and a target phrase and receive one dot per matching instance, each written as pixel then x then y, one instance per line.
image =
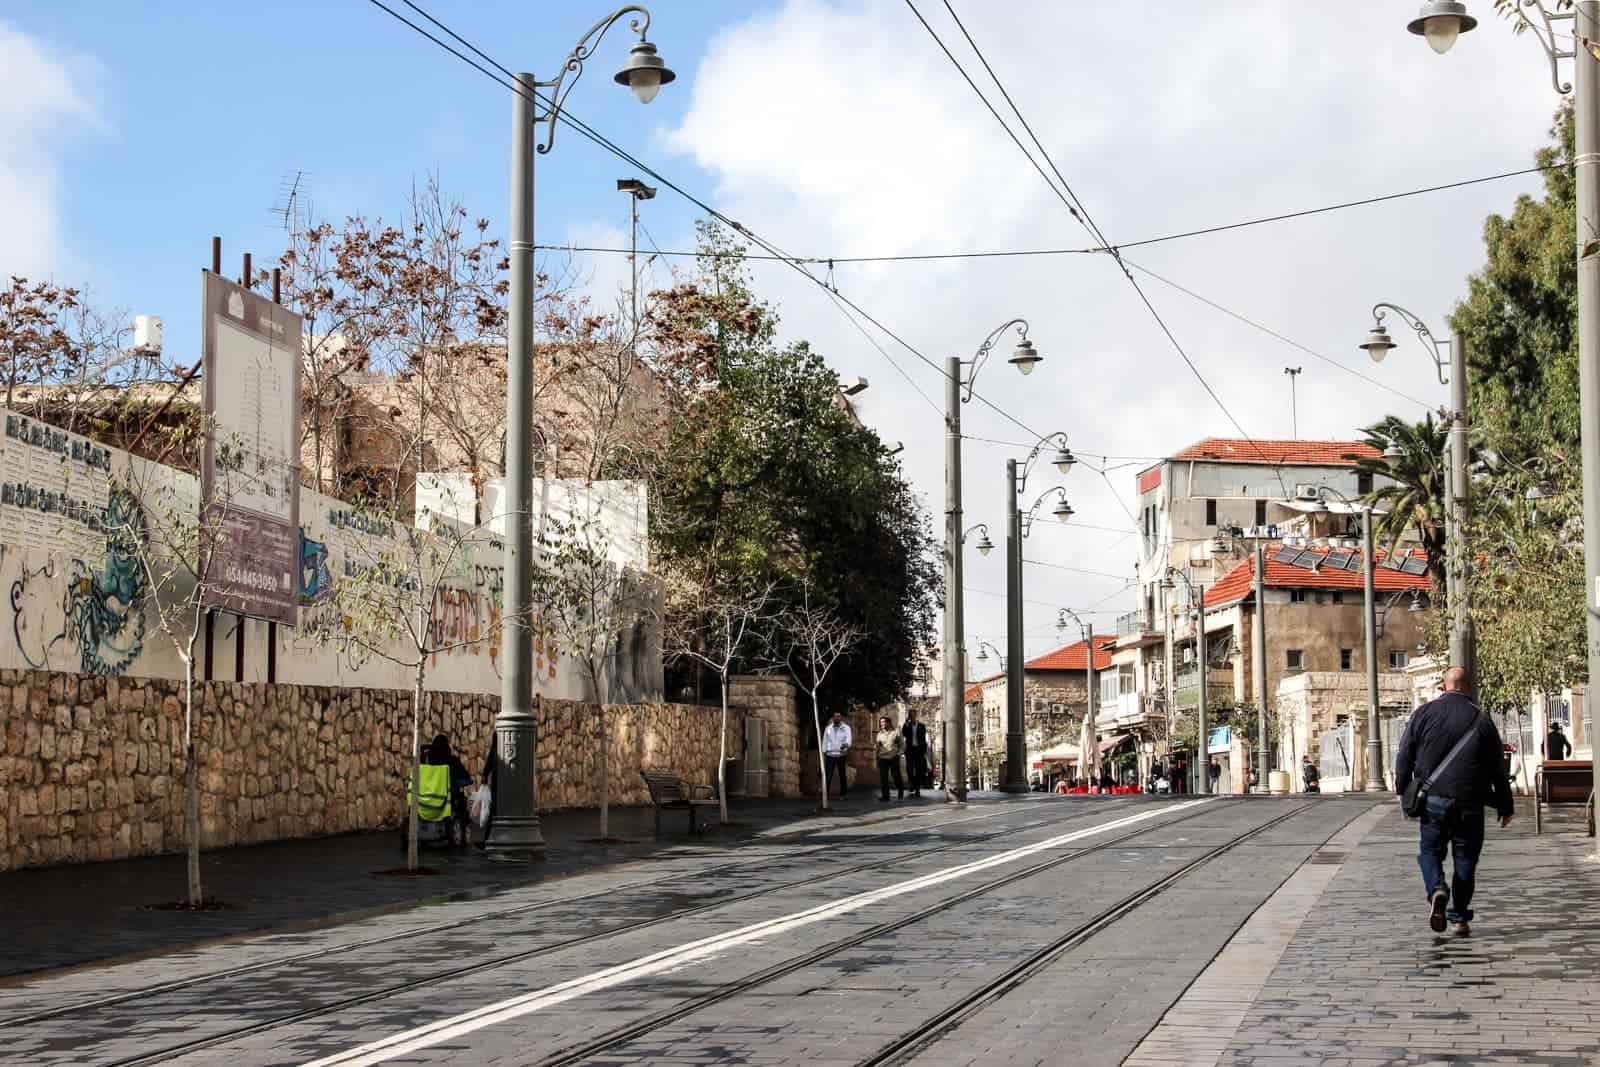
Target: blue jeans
pixel 835 765
pixel 1458 826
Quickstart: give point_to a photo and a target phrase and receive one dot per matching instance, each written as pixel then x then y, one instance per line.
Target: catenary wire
pixel 584 130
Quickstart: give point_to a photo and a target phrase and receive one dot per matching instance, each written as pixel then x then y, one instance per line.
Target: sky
pixel 134 133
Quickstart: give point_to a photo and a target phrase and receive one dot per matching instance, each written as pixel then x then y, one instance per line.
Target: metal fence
pixel 1336 751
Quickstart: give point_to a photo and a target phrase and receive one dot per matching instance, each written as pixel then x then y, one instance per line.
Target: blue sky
pixel 133 132
pixel 205 109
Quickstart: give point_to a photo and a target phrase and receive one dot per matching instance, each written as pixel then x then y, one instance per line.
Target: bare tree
pixel 167 548
pixel 586 602
pixel 814 638
pixel 719 626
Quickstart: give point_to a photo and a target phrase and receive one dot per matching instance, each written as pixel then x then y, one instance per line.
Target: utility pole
pixel 1168 673
pixel 1090 706
pixel 1203 783
pixel 1016 780
pixel 1587 155
pixel 1463 635
pixel 955 652
pixel 1294 405
pixel 1370 618
pixel 1258 652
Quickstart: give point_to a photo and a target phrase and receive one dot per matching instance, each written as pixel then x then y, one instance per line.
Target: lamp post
pixel 1441 22
pixel 516 825
pixel 1369 621
pixel 1016 779
pixel 1452 371
pixel 1197 596
pixel 637 191
pixel 958 390
pixel 1089 739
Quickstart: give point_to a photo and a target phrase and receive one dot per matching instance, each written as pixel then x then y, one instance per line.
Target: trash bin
pixel 1278 783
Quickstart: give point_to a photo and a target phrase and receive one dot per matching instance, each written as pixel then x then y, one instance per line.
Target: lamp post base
pixel 515 838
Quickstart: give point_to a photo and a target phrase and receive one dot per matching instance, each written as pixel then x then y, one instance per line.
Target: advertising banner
pixel 250 472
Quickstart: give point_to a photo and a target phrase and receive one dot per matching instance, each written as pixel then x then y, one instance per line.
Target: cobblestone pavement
pixel 1353 975
pixel 816 947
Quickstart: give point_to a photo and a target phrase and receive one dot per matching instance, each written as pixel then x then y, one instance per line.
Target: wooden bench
pixel 670 791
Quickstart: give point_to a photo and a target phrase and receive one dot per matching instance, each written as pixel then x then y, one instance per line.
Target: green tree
pixel 768 478
pixel 1416 485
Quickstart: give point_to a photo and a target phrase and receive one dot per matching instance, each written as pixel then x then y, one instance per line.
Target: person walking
pixel 487 778
pixel 1454 749
pixel 915 736
pixel 1556 745
pixel 836 740
pixel 1310 775
pixel 890 745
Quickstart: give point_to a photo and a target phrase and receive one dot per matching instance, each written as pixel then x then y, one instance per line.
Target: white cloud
pixel 43 96
pixel 840 129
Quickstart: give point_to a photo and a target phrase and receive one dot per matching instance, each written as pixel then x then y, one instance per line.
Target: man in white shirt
pixel 835 747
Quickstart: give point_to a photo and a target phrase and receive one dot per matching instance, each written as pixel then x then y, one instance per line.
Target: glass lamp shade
pixel 985 546
pixel 1378 344
pixel 1064 460
pixel 644 72
pixel 1062 511
pixel 646 83
pixel 1441 32
pixel 1025 357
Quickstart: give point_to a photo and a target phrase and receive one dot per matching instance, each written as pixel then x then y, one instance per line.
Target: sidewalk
pixel 67 916
pixel 1339 966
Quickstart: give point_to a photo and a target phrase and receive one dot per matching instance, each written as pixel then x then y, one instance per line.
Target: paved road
pixel 900 942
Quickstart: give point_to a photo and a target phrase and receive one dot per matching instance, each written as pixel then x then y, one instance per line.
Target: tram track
pixel 225 974
pixel 620 1036
pixel 437 977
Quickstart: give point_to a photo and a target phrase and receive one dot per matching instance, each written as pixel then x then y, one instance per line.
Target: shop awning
pixel 1114 743
pixel 1060 754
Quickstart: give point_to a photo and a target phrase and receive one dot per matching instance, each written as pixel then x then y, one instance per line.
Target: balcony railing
pixel 1219 688
pixel 1135 622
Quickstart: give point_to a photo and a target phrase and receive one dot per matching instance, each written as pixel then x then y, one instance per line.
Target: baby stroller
pixel 442 818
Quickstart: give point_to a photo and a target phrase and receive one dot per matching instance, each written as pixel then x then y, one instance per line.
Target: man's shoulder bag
pixel 1415 801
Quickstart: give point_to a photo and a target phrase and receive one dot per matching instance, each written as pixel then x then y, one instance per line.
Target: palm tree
pixel 1417 480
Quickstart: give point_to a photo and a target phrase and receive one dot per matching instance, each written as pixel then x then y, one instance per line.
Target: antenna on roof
pixel 287 207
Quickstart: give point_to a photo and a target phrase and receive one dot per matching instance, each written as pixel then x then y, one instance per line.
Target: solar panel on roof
pixel 1397 561
pixel 1291 556
pixel 1356 562
pixel 1338 558
pixel 1415 566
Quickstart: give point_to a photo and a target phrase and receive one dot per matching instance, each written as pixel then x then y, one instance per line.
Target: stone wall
pixel 92 768
pixel 774 700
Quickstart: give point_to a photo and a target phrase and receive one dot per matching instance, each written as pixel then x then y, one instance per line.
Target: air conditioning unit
pixel 1306 491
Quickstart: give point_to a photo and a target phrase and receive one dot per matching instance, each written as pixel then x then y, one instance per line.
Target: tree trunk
pixel 722 755
pixel 605 775
pixel 191 818
pixel 822 760
pixel 418 696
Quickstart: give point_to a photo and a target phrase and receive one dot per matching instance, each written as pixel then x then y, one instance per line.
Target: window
pixel 1347 659
pixel 1211 512
pixel 1399 660
pixel 1261 512
pixel 1364 483
pixel 1296 659
pixel 1338 596
pixel 1297 596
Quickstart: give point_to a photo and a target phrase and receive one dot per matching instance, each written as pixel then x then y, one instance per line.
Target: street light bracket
pixel 1062 511
pixel 1546 36
pixel 561 85
pixel 1441 364
pixel 982 355
pixel 1063 458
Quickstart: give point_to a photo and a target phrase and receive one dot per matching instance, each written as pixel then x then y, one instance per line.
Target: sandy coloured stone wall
pixel 92 768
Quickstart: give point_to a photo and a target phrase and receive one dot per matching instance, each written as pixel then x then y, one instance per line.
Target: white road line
pixel 457 1026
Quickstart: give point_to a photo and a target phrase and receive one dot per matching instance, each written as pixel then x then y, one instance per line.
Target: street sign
pixel 250 472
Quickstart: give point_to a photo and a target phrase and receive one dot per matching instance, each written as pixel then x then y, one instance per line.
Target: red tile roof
pixel 974 691
pixel 1241 450
pixel 1239 582
pixel 1074 657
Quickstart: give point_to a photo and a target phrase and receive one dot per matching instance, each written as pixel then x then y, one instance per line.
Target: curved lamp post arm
pixel 1063 614
pixel 1544 32
pixel 561 85
pixel 1063 458
pixel 982 355
pixel 1062 511
pixel 1425 335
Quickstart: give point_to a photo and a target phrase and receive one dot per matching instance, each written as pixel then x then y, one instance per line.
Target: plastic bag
pixel 478 806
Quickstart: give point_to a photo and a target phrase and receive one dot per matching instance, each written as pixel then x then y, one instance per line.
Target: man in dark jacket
pixel 916 745
pixel 1556 745
pixel 1456 796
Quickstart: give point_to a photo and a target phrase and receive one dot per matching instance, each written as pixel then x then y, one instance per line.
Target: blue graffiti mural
pixel 102 607
pixel 316 578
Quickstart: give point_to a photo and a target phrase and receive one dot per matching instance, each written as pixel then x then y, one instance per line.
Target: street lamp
pixel 984 649
pixel 1369 619
pixel 960 377
pixel 1585 18
pixel 637 191
pixel 984 545
pixel 516 829
pixel 1452 371
pixel 1197 596
pixel 1441 22
pixel 1089 735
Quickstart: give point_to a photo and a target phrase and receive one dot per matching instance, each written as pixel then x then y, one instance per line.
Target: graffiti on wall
pixel 316 578
pixel 99 619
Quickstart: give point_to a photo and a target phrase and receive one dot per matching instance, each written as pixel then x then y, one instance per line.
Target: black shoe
pixel 1462 928
pixel 902 795
pixel 883 799
pixel 1437 904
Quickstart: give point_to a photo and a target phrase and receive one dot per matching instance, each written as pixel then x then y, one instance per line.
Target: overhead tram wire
pixel 1076 209
pixel 589 133
pixel 1270 332
pixel 1087 250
